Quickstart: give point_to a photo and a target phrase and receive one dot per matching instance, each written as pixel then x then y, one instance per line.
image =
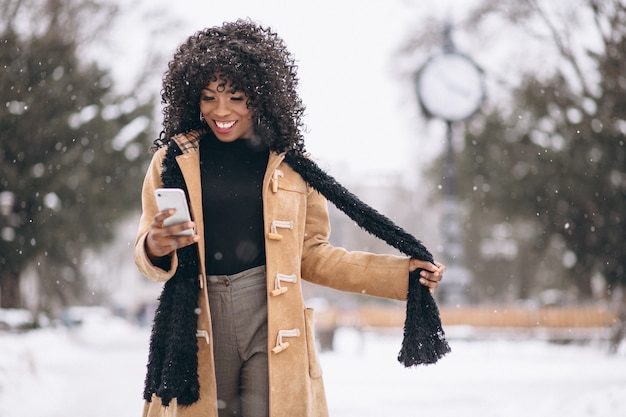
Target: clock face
pixel 450 86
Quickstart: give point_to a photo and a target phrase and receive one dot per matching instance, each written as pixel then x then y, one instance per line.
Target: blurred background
pixel 494 131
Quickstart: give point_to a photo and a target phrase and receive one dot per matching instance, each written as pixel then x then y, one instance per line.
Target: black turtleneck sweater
pixel 232 183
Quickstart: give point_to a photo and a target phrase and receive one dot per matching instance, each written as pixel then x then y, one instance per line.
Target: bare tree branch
pixel 562 44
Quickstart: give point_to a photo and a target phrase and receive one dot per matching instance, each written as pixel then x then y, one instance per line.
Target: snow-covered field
pixel 97 371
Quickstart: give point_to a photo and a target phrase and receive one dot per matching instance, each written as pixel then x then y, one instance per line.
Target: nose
pixel 222 108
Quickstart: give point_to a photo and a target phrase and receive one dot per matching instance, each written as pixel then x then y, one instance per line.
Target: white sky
pixel 362 121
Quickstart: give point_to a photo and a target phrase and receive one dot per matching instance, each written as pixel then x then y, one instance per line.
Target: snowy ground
pixel 97 371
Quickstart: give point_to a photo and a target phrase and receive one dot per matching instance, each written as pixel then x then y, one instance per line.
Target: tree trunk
pixel 9 289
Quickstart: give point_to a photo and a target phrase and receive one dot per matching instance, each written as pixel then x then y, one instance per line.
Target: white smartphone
pixel 174 198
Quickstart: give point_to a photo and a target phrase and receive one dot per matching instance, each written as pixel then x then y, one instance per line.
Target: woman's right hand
pixel 163 241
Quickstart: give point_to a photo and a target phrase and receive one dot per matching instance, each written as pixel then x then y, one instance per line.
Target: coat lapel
pixel 189 163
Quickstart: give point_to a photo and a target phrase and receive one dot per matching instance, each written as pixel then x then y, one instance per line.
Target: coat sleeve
pixel 151 182
pixel 354 271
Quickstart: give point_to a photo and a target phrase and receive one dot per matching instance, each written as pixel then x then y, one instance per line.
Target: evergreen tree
pixel 73 151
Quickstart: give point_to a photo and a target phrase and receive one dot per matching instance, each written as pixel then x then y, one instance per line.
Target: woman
pixel 232 336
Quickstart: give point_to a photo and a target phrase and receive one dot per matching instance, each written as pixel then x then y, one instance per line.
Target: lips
pixel 224 126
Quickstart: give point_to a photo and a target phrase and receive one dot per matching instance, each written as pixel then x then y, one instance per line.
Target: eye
pixel 237 98
pixel 205 97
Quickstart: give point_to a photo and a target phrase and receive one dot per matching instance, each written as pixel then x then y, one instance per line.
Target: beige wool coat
pixel 297 231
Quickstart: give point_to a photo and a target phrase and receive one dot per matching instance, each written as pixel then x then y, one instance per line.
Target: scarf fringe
pixel 424 340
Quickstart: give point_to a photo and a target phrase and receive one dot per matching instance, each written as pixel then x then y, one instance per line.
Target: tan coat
pixel 297 231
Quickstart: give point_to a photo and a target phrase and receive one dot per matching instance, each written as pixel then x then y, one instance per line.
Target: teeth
pixel 224 125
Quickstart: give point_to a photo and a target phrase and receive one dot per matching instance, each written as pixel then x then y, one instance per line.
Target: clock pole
pixel 455 286
pixel 450 87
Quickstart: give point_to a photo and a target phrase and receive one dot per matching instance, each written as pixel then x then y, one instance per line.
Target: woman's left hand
pixel 431 274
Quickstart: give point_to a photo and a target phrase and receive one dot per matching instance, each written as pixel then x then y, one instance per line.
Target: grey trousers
pixel 239 314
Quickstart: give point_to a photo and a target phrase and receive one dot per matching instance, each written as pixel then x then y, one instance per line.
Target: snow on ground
pixel 97 370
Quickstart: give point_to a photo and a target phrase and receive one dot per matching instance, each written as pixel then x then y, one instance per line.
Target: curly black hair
pixel 256 61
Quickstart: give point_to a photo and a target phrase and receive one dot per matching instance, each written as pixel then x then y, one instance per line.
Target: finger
pixel 161 216
pixel 430 276
pixel 158 246
pixel 430 284
pixel 436 268
pixel 419 264
pixel 183 241
pixel 429 279
pixel 175 229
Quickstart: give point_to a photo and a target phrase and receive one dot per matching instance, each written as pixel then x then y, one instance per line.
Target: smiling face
pixel 226 111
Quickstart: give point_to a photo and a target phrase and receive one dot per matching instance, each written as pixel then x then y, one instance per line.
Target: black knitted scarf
pixel 173 363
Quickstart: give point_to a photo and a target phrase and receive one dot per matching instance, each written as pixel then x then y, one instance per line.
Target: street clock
pixel 450 86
